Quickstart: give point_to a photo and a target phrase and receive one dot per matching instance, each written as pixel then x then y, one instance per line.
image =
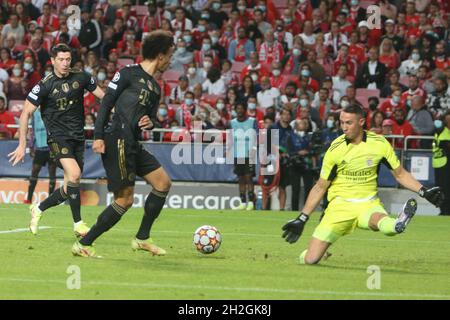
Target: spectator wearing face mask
pixel 389 106
pixel 200 32
pixel 276 78
pixel 194 75
pixel 30 74
pixel 16 88
pixel 162 121
pixel 331 130
pixel 224 114
pixel 306 78
pixel 253 111
pixel 294 57
pixel 187 110
pixel 411 66
pixel 181 57
pixel 217 17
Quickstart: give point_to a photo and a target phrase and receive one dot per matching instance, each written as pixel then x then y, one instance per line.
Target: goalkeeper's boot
pixel 147 245
pixel 83 251
pixel 242 206
pixel 80 229
pixel 250 206
pixel 405 216
pixel 36 215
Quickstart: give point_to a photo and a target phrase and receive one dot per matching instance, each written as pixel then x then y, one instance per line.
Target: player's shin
pixel 153 206
pixel 31 187
pixel 51 185
pixel 73 193
pixel 387 226
pixel 105 221
pixel 56 198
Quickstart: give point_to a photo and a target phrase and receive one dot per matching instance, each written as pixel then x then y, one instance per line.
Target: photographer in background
pixel 300 161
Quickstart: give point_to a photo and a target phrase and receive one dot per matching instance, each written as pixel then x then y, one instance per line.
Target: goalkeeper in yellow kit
pixel 349 173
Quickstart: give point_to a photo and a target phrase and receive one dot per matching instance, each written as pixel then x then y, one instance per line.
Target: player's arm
pixel 18 155
pixel 433 195
pixel 119 82
pixel 294 228
pixel 98 93
pixel 32 102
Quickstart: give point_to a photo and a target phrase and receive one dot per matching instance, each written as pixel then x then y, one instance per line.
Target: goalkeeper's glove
pixel 294 228
pixel 433 195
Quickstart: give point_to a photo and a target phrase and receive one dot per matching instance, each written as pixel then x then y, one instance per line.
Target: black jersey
pixel 61 103
pixel 134 93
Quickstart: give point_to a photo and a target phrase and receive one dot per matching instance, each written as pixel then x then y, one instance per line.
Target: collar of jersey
pixel 364 139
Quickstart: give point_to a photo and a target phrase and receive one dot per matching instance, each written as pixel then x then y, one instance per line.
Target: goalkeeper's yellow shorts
pixel 342 217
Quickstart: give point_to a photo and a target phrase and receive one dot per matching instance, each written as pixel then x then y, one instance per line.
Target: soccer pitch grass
pixel 254 262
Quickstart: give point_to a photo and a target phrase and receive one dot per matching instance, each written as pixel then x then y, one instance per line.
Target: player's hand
pixel 98 146
pixel 433 195
pixel 294 228
pixel 17 155
pixel 145 123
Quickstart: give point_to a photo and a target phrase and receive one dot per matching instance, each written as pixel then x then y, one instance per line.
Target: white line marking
pixel 22 230
pixel 239 289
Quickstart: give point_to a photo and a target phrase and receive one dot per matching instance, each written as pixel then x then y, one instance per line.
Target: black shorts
pixel 61 148
pixel 123 160
pixel 42 157
pixel 285 177
pixel 242 167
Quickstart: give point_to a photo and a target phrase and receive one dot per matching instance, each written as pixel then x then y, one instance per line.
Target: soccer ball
pixel 207 239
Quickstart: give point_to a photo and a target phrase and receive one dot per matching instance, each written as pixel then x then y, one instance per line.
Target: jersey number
pixel 61 104
pixel 144 97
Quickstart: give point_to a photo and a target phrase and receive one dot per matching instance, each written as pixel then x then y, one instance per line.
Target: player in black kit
pixel 135 94
pixel 60 97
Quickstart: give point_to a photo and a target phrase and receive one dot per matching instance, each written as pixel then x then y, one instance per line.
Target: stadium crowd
pixel 310 57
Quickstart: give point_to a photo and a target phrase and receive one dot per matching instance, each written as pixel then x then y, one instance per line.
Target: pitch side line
pixel 22 230
pixel 239 289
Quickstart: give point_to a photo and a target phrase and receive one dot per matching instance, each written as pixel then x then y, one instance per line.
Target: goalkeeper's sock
pixel 387 226
pixel 56 198
pixel 31 187
pixel 243 197
pixel 153 206
pixel 105 221
pixel 73 193
pixel 302 257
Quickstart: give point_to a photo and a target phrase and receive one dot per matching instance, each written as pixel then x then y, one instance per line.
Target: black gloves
pixel 433 195
pixel 294 228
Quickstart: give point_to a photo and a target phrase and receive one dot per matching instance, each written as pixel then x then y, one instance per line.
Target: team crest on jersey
pixel 75 85
pixel 369 162
pixel 131 176
pixel 36 89
pixel 65 87
pixel 116 77
pixel 64 151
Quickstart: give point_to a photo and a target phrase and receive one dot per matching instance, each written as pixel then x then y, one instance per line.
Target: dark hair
pixel 213 74
pixel 372 120
pixel 242 104
pixel 157 42
pixel 354 108
pixel 60 47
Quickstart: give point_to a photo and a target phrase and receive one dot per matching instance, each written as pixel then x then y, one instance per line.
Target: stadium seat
pixel 288 78
pixel 365 3
pixel 367 93
pixel 16 106
pixel 280 4
pixel 140 10
pixel 171 75
pixel 122 62
pixel 211 99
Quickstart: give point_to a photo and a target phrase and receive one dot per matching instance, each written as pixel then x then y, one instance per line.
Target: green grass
pixel 253 262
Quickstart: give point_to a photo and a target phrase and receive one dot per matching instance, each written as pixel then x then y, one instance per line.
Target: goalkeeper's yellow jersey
pixel 353 169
